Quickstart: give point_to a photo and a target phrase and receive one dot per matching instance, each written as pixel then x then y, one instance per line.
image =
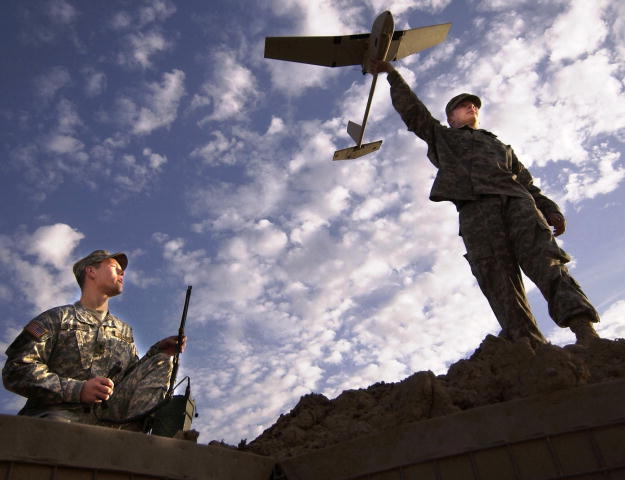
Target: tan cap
pixel 94 258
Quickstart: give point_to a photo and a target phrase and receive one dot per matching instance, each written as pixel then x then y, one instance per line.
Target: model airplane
pixel 383 43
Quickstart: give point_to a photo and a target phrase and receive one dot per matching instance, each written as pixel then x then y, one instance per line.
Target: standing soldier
pixel 504 218
pixel 79 363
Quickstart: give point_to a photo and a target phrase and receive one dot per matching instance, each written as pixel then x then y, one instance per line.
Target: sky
pixel 157 128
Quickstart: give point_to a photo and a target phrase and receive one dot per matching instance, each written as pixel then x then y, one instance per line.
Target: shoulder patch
pixel 36 329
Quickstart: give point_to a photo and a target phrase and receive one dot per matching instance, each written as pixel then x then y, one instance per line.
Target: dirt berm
pixel 498 371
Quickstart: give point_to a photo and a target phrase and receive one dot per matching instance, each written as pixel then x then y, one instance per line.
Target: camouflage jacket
pixel 470 162
pixel 62 348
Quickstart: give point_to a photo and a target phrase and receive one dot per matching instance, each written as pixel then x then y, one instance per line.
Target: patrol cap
pixel 94 258
pixel 454 102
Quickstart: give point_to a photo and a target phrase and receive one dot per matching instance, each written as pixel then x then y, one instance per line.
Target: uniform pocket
pixel 85 341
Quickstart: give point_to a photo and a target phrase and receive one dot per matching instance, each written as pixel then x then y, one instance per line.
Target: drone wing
pixel 325 51
pixel 407 42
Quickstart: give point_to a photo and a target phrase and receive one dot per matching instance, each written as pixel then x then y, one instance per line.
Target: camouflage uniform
pixel 502 218
pixel 59 350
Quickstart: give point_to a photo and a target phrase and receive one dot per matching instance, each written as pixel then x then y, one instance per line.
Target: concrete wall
pixel 576 434
pixel 573 434
pixel 34 449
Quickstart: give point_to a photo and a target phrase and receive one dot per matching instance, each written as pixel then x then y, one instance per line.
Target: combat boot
pixel 581 326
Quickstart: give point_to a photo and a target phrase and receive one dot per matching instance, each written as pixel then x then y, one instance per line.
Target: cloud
pixel 40 265
pixel 48 84
pixel 151 12
pixel 64 144
pixel 229 94
pixel 135 174
pixel 62 140
pixel 52 244
pixel 612 323
pixel 95 82
pixel 160 104
pixel 398 7
pixel 141 47
pixel 61 12
pixel 220 150
pixel 579 30
pixel 600 176
pixel 156 11
pixel 121 20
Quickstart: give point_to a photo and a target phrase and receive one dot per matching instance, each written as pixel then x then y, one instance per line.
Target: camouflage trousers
pixel 139 391
pixel 504 235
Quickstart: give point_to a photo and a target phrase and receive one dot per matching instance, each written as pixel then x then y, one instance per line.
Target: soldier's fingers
pixel 106 381
pixel 104 389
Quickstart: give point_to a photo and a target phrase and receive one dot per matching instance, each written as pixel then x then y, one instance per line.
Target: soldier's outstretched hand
pixel 557 221
pixel 96 389
pixel 169 345
pixel 379 66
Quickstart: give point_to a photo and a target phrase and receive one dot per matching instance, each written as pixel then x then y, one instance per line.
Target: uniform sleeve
pixel 413 112
pixel 26 369
pixel 524 177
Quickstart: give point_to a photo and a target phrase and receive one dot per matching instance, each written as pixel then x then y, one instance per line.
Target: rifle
pixel 174 372
pixel 177 411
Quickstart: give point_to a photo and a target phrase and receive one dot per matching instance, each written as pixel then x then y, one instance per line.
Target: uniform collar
pixel 487 132
pixel 86 315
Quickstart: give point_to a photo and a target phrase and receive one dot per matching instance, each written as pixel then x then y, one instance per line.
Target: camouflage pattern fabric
pixel 502 218
pixel 502 234
pixel 470 162
pixel 60 349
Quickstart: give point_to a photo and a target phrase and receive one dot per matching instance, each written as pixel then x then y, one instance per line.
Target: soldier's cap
pixel 96 257
pixel 454 102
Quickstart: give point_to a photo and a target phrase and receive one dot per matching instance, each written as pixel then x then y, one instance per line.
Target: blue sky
pixel 157 128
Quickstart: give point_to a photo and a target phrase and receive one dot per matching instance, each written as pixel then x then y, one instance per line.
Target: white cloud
pixel 62 12
pixel 64 144
pixel 62 140
pixel 398 7
pixel 276 126
pixel 161 104
pixel 578 31
pixel 68 118
pixel 600 176
pixel 48 84
pixel 136 174
pixel 229 94
pixel 95 82
pixel 156 11
pixel 323 17
pixel 612 323
pixel 142 46
pixel 52 244
pixel 121 20
pixel 47 280
pixel 219 150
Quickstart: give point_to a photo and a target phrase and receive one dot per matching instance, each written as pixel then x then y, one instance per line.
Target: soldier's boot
pixel 581 326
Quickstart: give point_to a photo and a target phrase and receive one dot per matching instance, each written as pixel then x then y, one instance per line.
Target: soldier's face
pixel 466 113
pixel 108 277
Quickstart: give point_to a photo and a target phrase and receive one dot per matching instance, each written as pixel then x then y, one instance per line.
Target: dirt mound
pixel 498 371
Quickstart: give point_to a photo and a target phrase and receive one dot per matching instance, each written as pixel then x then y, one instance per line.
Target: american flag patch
pixel 36 329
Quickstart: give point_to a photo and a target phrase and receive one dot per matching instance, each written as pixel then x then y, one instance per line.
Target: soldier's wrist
pixel 72 390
